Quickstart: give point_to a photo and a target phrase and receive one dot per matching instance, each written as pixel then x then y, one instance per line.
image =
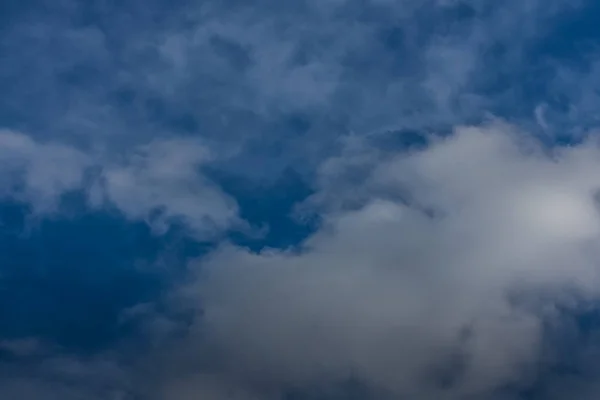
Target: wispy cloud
pixel 160 183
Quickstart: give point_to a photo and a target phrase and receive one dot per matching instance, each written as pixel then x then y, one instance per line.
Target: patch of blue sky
pixel 68 281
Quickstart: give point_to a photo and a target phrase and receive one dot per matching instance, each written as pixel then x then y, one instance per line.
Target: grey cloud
pixel 389 295
pixel 50 374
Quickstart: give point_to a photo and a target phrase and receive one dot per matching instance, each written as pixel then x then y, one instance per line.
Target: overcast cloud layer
pixel 306 200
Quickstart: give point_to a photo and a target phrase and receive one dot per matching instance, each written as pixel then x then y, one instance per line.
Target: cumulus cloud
pixel 444 304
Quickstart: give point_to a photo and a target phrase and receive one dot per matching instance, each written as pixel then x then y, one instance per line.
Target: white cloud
pixel 392 296
pixel 39 173
pixel 161 182
pixel 165 177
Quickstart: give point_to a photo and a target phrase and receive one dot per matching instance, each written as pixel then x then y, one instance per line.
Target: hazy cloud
pixel 160 183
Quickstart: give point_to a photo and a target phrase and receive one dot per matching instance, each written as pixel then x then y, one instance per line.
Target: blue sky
pixel 307 200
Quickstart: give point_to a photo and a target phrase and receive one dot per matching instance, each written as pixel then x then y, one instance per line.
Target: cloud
pixel 35 370
pixel 445 305
pixel 241 76
pixel 160 183
pixel 39 173
pixel 436 268
pixel 164 177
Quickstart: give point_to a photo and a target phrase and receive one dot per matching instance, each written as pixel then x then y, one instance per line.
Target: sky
pixel 302 200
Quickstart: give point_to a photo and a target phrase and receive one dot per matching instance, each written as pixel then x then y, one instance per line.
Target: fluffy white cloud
pixel 429 305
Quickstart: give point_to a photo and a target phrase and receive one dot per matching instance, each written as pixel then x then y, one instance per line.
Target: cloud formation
pixel 280 83
pixel 161 183
pixel 445 294
pixel 448 235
